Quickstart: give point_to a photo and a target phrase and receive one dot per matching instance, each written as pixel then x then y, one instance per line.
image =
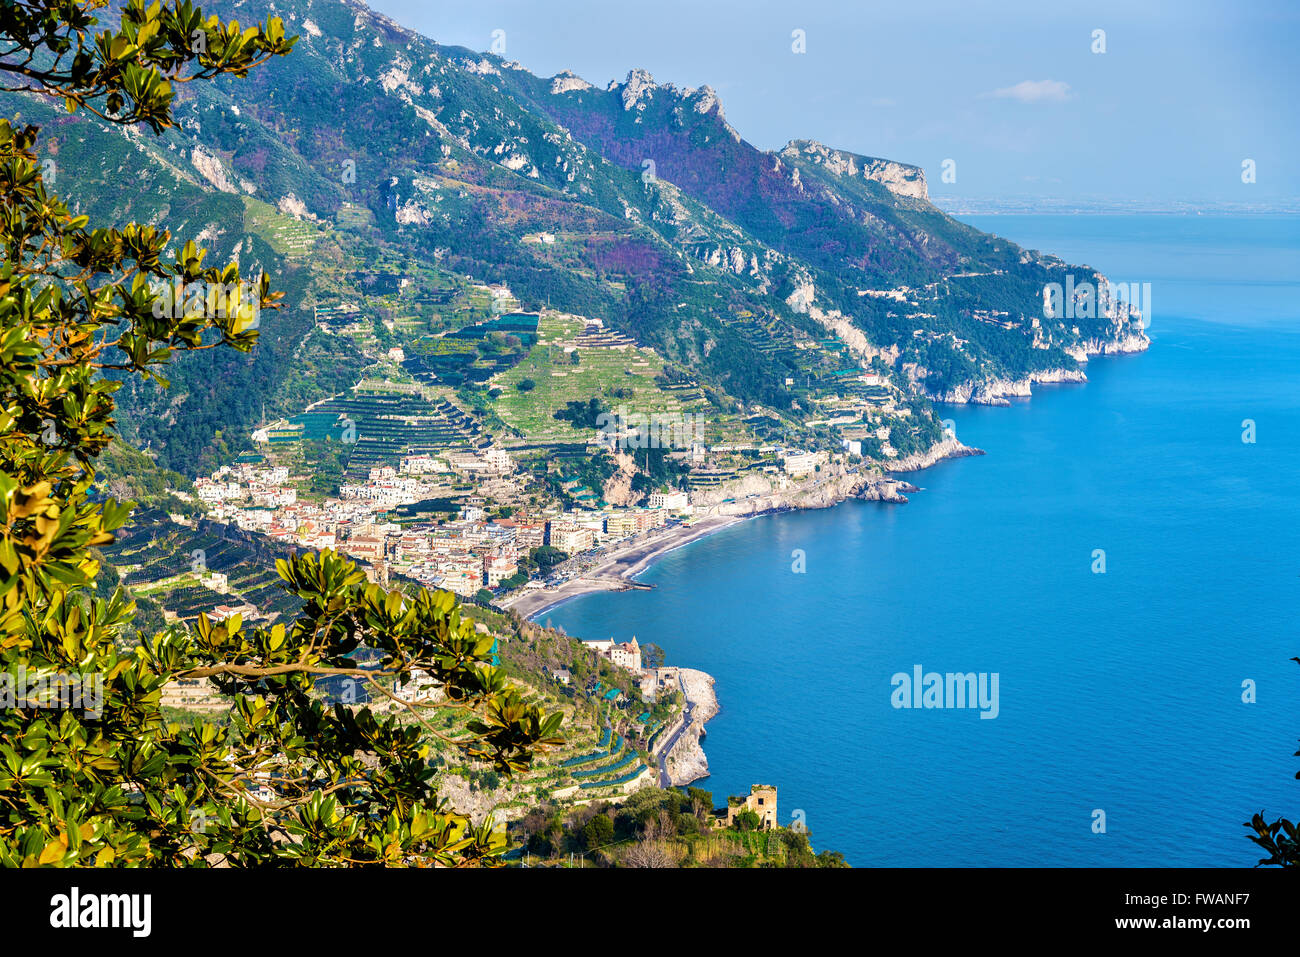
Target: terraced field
pixel 611 763
pixel 475 353
pixel 286 235
pixel 165 562
pixel 386 425
pixel 619 374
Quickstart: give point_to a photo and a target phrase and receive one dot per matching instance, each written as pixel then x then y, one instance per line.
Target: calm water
pixel 1119 691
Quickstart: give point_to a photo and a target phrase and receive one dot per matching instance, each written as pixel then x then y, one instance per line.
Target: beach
pixel 615 570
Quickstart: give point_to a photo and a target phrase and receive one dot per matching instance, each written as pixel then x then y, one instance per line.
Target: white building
pixel 421 687
pixel 212 492
pixel 670 500
pixel 571 537
pixel 421 465
pixel 217 582
pixel 624 654
pixel 801 463
pixel 497 568
pixel 498 460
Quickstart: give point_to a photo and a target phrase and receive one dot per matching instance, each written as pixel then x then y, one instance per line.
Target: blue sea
pixel 1119 692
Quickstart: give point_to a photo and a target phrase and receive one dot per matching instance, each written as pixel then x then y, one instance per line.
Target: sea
pixel 1125 559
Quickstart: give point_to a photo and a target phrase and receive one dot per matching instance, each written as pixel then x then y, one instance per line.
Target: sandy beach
pixel 618 567
pixel 615 570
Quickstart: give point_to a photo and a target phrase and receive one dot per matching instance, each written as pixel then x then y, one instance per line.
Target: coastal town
pixel 519 515
pixel 487 543
pixel 590 465
pixel 464 554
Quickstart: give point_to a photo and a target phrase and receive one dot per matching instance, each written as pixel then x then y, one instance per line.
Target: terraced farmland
pixel 386 424
pixel 286 235
pixel 166 561
pixel 475 353
pixel 608 367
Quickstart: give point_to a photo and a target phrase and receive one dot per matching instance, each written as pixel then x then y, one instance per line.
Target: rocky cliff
pixel 898 178
pixel 999 391
pixel 687 761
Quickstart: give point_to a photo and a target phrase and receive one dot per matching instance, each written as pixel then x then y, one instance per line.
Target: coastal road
pixel 688 714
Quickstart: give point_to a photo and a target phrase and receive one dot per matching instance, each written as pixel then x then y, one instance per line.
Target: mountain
pixel 765 276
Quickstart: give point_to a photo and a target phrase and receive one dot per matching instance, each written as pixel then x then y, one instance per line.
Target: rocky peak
pixel 565 81
pixel 706 100
pixel 636 89
pixel 898 178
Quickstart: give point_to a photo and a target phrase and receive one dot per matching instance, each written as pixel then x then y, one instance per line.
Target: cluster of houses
pixel 463 555
pixel 263 487
pixel 578 531
pixel 408 483
pixel 473 552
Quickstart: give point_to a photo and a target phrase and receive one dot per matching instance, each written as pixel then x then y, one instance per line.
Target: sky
pixel 1011 93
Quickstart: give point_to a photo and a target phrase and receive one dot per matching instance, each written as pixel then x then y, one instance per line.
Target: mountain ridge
pixel 670 224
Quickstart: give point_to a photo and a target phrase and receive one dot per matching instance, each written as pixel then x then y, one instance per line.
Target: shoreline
pixel 685 762
pixel 620 566
pixel 616 570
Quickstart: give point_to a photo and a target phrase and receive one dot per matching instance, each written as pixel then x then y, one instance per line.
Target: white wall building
pixel 670 500
pixel 624 654
pixel 801 463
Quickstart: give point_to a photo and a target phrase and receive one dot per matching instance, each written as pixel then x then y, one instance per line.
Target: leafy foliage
pixel 49 50
pixel 101 776
pixel 663 828
pixel 1280 839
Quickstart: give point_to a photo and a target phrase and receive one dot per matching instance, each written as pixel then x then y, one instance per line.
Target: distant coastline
pixel 617 569
pixel 685 761
pixel 1001 206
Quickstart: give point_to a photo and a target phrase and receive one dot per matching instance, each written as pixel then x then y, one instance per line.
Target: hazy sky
pixel 1010 91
